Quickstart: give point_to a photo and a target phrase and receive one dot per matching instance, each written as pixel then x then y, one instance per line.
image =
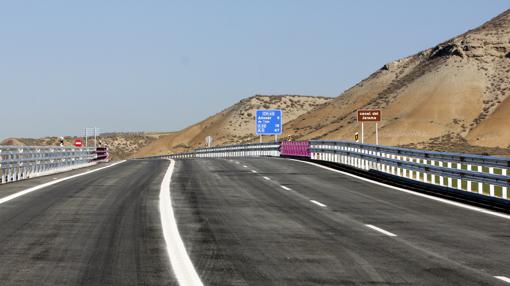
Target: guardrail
pixel 239 150
pixel 485 175
pixel 23 162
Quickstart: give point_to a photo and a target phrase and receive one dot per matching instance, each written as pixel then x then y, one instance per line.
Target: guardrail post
pixel 504 190
pixel 480 184
pixel 468 182
pixel 491 186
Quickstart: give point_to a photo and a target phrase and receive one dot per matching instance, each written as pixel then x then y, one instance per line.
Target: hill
pixel 235 124
pixel 122 145
pixel 453 94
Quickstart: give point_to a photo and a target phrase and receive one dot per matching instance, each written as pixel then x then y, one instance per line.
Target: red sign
pixel 77 143
pixel 369 115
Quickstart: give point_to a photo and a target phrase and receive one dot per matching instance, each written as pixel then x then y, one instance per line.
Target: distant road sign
pixel 77 143
pixel 269 122
pixel 365 115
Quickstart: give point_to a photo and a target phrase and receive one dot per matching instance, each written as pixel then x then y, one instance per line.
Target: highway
pixel 245 221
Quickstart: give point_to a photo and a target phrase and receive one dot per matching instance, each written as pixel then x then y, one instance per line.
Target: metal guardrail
pixel 23 162
pixel 485 175
pixel 238 150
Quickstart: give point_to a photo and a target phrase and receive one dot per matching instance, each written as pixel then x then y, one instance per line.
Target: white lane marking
pixel 253 171
pixel 181 263
pixel 286 188
pixel 445 201
pixel 55 181
pixel 237 162
pixel 318 203
pixel 245 166
pixel 267 178
pixel 380 230
pixel 503 278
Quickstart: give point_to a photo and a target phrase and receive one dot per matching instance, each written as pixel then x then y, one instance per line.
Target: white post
pixel 504 190
pixel 362 134
pixel 491 186
pixel 376 134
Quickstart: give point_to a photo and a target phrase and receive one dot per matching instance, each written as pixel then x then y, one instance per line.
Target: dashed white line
pixel 318 203
pixel 237 162
pixel 55 181
pixel 253 171
pixel 380 230
pixel 267 178
pixel 181 263
pixel 245 166
pixel 503 278
pixel 285 188
pixel 445 201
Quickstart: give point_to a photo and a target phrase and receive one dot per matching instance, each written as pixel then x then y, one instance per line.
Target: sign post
pixel 268 122
pixel 369 115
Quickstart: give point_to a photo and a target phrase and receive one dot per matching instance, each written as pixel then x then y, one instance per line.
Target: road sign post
pixel 369 115
pixel 268 122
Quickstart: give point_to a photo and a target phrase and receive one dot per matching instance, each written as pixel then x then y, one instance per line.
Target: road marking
pixel 181 263
pixel 503 278
pixel 285 188
pixel 253 171
pixel 445 201
pixel 318 203
pixel 380 230
pixel 267 178
pixel 237 162
pixel 55 181
pixel 245 166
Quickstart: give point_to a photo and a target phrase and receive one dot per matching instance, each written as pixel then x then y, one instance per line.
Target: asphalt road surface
pixel 245 221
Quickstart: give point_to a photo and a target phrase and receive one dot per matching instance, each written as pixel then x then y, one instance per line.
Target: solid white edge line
pixel 267 178
pixel 445 201
pixel 55 181
pixel 380 230
pixel 503 278
pixel 286 188
pixel 318 203
pixel 181 263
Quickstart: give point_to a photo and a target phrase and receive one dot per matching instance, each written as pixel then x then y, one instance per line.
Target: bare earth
pixel 457 89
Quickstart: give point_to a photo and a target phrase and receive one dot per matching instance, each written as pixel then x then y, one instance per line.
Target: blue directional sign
pixel 269 122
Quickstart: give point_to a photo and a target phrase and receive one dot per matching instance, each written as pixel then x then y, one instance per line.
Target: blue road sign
pixel 269 122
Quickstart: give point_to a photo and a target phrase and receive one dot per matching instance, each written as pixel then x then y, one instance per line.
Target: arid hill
pixel 236 124
pixel 122 145
pixel 454 94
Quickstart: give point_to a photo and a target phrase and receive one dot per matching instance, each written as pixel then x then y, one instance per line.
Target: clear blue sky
pixel 162 65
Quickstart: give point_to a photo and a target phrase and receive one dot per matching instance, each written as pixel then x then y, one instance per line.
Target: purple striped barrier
pixel 295 148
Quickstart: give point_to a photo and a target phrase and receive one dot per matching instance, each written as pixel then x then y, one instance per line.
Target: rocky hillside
pixel 235 124
pixel 454 93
